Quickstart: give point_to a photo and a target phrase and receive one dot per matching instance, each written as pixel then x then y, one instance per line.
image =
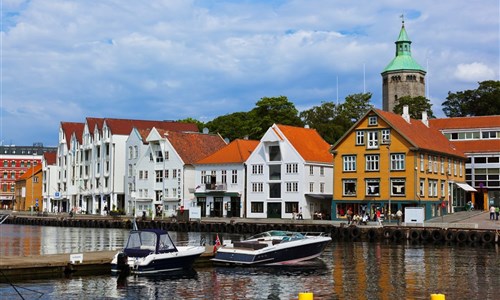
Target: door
pixel 274 210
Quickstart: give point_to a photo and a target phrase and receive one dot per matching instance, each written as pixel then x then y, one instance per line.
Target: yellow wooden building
pixel 28 190
pixel 388 162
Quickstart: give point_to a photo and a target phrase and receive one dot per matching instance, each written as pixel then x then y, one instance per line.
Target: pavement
pixel 475 219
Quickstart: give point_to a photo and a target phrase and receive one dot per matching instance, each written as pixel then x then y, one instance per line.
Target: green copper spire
pixel 403 59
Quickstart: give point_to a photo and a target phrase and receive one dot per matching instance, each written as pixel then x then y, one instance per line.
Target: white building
pixel 290 171
pixel 220 180
pixel 91 161
pixel 161 177
pixel 49 181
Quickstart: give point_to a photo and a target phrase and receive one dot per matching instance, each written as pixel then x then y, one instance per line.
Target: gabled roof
pixel 30 172
pixel 466 122
pixel 237 151
pixel 124 126
pixel 50 157
pixel 72 127
pixel 193 146
pixel 418 134
pixel 308 143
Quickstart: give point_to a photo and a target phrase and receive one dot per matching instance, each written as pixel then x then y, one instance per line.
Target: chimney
pixel 406 113
pixel 425 119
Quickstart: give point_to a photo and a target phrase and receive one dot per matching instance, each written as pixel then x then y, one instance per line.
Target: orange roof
pixel 478 146
pixel 50 157
pixel 466 122
pixel 29 172
pixel 421 136
pixel 237 151
pixel 308 143
pixel 193 146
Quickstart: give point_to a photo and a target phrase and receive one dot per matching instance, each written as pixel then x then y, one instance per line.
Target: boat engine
pixel 122 264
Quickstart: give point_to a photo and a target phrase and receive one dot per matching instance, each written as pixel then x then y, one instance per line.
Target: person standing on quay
pixel 492 213
pixel 497 211
pixel 399 216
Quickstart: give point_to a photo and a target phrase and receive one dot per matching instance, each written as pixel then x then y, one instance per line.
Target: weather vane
pixel 402 18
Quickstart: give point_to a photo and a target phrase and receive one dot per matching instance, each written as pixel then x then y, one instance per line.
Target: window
pixel 372 140
pixel 203 177
pixel 372 187
pixel 292 168
pixel 455 168
pixel 432 188
pixel 291 207
pixel 159 156
pixel 129 172
pixel 234 176
pixel 429 166
pixel 422 187
pixel 449 166
pixel 435 162
pixel 360 137
pixel 274 190
pixel 159 175
pixel 349 187
pixel 224 176
pixel 167 155
pixel 349 163
pixel 145 174
pixel 311 170
pixel 398 162
pixel 372 121
pixel 442 165
pixel 5 175
pixel 398 187
pixel 130 152
pixel 141 174
pixel 166 173
pixel 274 172
pixel 136 151
pixel 386 136
pixel 372 162
pixel 274 153
pixel 442 188
pixel 5 164
pixel 460 169
pixel 292 186
pixel 311 187
pixel 257 207
pixel 174 173
pixel 321 171
pixel 422 163
pixel 35 179
pixel 257 187
pixel 12 175
pixel 257 169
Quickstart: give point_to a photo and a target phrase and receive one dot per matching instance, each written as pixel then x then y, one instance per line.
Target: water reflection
pixel 346 270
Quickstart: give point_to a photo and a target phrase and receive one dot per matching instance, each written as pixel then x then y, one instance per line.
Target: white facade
pixel 220 189
pixel 49 190
pixel 281 183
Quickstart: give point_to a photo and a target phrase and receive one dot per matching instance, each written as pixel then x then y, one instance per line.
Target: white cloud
pixel 474 72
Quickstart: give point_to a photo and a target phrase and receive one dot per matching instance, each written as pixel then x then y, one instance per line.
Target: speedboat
pixel 273 247
pixel 150 251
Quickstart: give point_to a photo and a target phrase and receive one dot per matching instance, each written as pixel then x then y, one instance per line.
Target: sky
pixel 65 60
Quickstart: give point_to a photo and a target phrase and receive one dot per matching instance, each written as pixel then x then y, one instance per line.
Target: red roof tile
pixel 193 146
pixel 466 122
pixel 237 151
pixel 50 157
pixel 72 127
pixel 308 143
pixel 29 172
pixel 478 146
pixel 418 134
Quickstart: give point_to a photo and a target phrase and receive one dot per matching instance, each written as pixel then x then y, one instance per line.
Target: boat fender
pixel 414 235
pixel 355 232
pixel 487 237
pixel 449 236
pixel 473 237
pixel 372 234
pixel 398 235
pixel 461 236
pixel 437 235
pixel 387 233
pixel 425 235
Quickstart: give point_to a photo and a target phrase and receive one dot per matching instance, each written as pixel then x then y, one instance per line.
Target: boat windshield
pixel 278 234
pixel 166 243
pixel 142 240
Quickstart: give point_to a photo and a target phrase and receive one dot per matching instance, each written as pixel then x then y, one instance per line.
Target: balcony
pixel 216 187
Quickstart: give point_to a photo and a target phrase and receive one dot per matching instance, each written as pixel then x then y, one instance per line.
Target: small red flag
pixel 217 243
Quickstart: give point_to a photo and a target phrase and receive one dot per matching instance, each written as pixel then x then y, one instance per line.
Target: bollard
pixel 437 297
pixel 306 296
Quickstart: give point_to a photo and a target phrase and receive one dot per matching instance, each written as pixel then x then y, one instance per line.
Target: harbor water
pixel 346 270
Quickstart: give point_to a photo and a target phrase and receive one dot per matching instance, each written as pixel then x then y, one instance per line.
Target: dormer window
pixel 372 121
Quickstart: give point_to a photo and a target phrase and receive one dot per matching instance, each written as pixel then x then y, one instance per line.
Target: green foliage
pixel 483 101
pixel 416 106
pixel 232 126
pixel 199 124
pixel 332 121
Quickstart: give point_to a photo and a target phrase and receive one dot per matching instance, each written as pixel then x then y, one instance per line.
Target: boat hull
pixel 272 255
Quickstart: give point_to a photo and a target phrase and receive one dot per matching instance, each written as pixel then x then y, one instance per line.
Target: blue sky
pixel 173 59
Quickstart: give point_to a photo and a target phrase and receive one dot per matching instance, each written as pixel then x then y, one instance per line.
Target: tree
pixel 199 124
pixel 483 101
pixel 269 111
pixel 355 106
pixel 416 106
pixel 232 126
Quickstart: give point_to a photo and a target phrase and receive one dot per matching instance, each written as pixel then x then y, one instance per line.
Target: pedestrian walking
pixel 497 211
pixel 492 213
pixel 399 216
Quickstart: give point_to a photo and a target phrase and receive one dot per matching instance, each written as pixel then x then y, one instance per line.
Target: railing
pixel 216 187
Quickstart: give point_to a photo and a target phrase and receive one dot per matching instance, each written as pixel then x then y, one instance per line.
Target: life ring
pixel 461 236
pixel 414 235
pixel 387 233
pixel 449 236
pixel 425 235
pixel 397 235
pixel 355 232
pixel 487 237
pixel 437 235
pixel 372 234
pixel 473 236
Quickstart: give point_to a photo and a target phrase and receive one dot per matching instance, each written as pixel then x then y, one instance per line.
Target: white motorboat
pixel 273 247
pixel 151 251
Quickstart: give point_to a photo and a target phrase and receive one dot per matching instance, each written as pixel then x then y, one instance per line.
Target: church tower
pixel 403 76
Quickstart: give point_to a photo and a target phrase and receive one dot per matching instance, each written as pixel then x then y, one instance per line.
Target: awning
pixel 464 186
pixel 321 196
